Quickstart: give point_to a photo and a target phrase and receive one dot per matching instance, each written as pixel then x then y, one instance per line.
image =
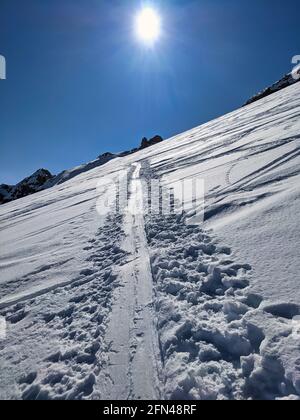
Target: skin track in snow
pixel 134 359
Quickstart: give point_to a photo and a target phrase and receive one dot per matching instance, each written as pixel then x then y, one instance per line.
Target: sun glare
pixel 148 25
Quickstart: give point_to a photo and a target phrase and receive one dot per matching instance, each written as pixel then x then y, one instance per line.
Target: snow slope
pixel 133 305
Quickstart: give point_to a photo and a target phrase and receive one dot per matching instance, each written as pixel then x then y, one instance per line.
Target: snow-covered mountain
pixel 43 179
pixel 30 185
pixel 149 305
pixel 286 81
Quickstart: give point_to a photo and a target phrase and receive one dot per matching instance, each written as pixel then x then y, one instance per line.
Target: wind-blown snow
pixel 157 306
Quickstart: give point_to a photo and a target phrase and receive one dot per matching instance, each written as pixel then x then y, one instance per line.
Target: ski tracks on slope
pixel 94 338
pixel 163 312
pixel 134 362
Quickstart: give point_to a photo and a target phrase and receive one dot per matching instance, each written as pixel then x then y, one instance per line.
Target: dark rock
pixel 106 155
pixel 29 185
pixel 286 81
pixel 147 143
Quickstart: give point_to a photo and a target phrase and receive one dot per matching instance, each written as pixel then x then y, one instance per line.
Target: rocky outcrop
pixel 287 80
pixel 144 144
pixel 147 143
pixel 29 185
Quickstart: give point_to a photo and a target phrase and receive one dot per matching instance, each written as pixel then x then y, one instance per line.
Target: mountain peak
pixel 27 186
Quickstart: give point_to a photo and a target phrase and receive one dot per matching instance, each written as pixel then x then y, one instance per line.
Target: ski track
pixel 133 361
pixel 105 339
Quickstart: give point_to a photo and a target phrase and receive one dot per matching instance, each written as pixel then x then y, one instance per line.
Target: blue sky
pixel 79 83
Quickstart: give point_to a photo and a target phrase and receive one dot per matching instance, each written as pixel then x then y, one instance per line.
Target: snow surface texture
pixel 155 306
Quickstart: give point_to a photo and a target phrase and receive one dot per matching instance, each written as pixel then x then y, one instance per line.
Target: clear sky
pixel 80 83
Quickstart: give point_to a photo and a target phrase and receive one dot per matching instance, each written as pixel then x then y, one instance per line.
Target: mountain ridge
pixel 43 179
pixel 286 81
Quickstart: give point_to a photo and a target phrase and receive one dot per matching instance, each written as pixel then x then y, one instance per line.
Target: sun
pixel 148 25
